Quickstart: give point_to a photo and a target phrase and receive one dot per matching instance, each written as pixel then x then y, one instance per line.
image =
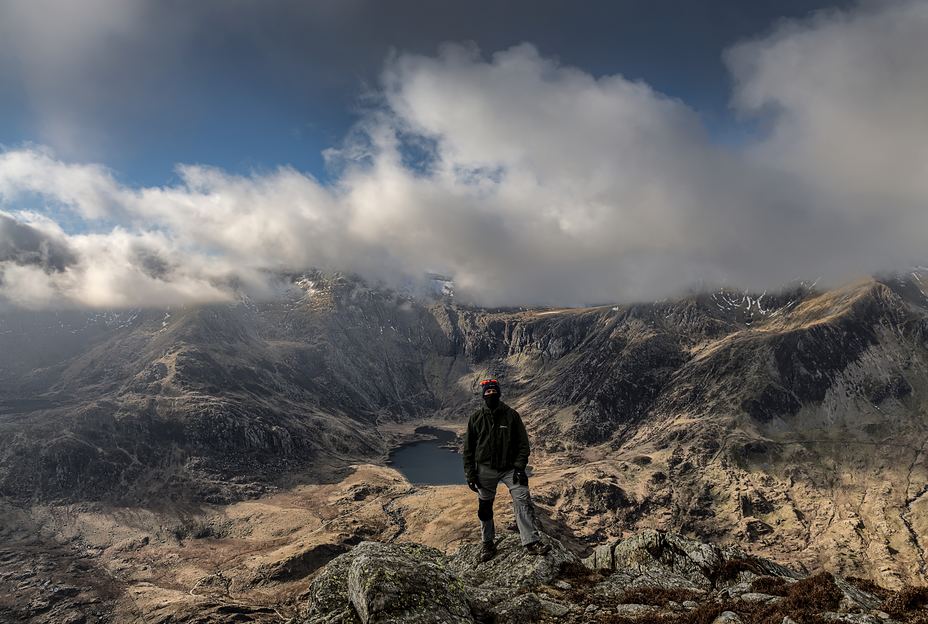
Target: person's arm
pixel 470 445
pixel 522 446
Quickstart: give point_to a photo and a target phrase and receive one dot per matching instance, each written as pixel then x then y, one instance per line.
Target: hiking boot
pixel 488 551
pixel 512 526
pixel 537 548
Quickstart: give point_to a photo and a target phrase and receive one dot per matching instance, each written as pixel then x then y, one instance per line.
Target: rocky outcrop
pixel 511 569
pixel 376 583
pixel 649 575
pixel 656 558
pixel 404 583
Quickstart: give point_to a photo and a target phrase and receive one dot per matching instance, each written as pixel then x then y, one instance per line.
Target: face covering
pixel 491 400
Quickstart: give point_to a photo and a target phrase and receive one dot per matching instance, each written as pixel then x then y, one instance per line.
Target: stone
pixel 412 584
pixel 850 618
pixel 512 567
pixel 634 610
pixel 601 559
pixel 757 597
pixel 666 559
pixel 554 609
pixel 516 610
pixel 404 583
pixel 856 597
pixel 734 591
pixel 328 594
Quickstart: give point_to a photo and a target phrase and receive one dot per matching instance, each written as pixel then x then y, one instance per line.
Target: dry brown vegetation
pixel 804 601
pixel 909 604
pixel 657 596
pixel 731 567
pixel 869 586
pixel 773 585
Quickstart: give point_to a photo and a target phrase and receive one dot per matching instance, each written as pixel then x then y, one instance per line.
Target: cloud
pixel 26 245
pixel 845 92
pixel 534 182
pixel 90 190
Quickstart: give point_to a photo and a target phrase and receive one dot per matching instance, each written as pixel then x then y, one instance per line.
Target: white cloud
pixel 848 92
pixel 538 183
pixel 88 189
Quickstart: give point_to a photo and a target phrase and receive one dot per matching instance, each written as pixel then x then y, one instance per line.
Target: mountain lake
pixel 429 462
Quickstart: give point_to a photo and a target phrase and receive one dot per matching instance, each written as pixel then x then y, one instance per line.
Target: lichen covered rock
pixel 328 594
pixel 660 559
pixel 405 583
pixel 651 576
pixel 378 583
pixel 512 567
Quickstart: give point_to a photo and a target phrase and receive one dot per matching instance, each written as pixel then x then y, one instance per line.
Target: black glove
pixel 519 477
pixel 473 484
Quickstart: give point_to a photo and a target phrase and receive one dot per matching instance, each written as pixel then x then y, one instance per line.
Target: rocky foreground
pixel 650 577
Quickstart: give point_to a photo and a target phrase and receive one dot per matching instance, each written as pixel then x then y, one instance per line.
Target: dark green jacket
pixel 496 438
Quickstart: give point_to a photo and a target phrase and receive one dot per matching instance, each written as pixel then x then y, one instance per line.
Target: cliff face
pixel 795 423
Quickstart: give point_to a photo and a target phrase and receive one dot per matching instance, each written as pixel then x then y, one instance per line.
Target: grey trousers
pixel 522 506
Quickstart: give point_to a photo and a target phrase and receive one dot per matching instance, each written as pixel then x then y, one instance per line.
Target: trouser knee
pixel 520 494
pixel 485 509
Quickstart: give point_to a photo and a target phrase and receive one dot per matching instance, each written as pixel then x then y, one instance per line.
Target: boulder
pixel 759 598
pixel 512 567
pixel 635 610
pixel 405 584
pixel 856 597
pixel 378 583
pixel 327 597
pixel 661 559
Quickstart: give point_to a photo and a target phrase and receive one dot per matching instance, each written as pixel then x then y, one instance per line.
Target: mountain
pixel 213 402
pixel 791 423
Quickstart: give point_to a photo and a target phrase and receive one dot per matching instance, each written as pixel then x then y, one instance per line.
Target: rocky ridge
pixel 649 577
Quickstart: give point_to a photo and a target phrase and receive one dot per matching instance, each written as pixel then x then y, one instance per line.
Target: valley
pixel 205 464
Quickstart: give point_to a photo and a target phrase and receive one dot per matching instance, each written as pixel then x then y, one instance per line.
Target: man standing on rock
pixel 496 449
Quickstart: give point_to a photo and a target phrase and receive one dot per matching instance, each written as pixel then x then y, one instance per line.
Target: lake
pixel 426 463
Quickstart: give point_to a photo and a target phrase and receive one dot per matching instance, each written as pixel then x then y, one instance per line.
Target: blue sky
pixel 252 85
